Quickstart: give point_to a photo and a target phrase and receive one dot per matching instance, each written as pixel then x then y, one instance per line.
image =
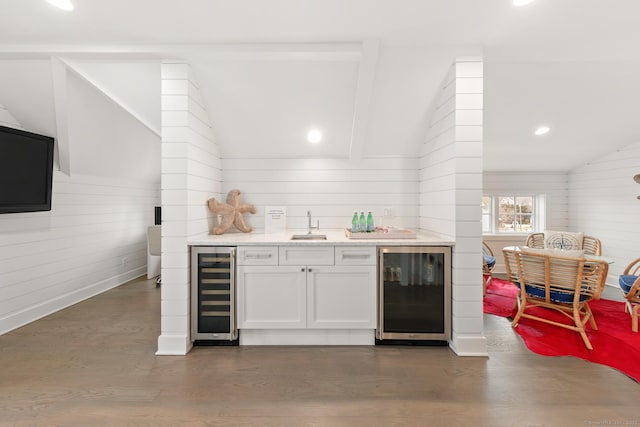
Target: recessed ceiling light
pixel 62 4
pixel 314 136
pixel 519 3
pixel 542 130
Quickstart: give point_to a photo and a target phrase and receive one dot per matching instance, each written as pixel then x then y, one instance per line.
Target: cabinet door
pixel 271 297
pixel 341 297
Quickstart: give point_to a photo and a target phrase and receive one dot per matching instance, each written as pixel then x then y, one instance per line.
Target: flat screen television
pixel 26 171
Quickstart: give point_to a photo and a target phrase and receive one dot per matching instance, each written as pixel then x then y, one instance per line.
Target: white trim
pixel 21 318
pixel 173 345
pixel 364 92
pixel 471 345
pixel 59 74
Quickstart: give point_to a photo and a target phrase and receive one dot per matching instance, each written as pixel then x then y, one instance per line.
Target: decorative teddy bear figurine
pixel 231 213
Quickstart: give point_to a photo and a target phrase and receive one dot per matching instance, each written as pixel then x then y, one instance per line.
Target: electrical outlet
pixel 125 261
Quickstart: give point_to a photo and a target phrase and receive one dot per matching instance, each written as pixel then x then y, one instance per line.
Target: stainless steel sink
pixel 309 237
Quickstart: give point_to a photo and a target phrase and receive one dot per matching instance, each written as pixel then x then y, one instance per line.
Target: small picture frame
pixel 275 219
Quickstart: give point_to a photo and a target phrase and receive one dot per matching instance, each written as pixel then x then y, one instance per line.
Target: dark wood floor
pixel 93 364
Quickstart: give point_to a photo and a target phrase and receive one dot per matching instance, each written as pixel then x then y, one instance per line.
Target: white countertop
pixel 334 237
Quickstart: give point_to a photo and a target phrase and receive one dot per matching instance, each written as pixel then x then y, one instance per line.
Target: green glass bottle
pixel 354 222
pixel 370 225
pixel 362 224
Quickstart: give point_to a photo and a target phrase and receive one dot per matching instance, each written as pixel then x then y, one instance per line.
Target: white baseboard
pixel 31 314
pixel 173 345
pixel 471 345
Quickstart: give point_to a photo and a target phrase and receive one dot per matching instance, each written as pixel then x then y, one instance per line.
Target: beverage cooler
pixel 213 295
pixel 414 294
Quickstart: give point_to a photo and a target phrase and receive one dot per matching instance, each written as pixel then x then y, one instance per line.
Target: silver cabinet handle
pixel 302 269
pixel 309 270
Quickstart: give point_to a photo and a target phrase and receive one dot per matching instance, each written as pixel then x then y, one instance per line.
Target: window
pixel 487 214
pixel 512 213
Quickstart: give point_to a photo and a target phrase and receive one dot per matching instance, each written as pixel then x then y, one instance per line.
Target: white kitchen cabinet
pixel 257 255
pixel 271 297
pixel 341 297
pixel 314 294
pixel 355 255
pixel 306 255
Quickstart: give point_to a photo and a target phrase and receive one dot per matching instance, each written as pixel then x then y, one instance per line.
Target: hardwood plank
pixel 94 364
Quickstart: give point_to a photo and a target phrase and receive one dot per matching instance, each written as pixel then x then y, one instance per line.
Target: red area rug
pixel 614 344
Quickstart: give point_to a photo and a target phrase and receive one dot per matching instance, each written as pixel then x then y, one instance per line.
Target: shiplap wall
pixel 451 193
pixel 603 203
pixel 332 189
pixel 553 185
pixel 438 166
pixel 190 176
pixel 93 239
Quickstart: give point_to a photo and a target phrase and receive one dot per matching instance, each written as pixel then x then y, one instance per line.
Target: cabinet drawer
pixel 304 255
pixel 257 255
pixel 356 255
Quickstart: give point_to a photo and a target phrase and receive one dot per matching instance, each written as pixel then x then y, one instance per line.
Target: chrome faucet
pixel 311 227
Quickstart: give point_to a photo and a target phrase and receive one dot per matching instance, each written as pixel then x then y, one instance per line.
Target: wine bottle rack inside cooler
pixel 213 301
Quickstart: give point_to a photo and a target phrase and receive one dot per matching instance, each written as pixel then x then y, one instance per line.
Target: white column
pixel 451 194
pixel 190 176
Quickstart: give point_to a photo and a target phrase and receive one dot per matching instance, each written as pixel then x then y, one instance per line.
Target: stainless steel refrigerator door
pixel 414 293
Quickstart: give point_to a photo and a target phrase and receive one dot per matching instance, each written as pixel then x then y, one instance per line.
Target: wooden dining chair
pixel 488 264
pixel 511 264
pixel 560 283
pixel 629 282
pixel 592 246
pixel 535 240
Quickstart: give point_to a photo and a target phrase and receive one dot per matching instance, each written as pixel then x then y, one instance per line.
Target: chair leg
pixel 587 343
pixel 592 320
pixel 580 326
pixel 486 279
pixel 522 304
pixel 634 318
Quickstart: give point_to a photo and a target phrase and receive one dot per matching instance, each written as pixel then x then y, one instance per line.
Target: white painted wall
pixel 94 237
pixel 104 140
pixel 437 166
pixel 332 189
pixel 7 119
pixel 134 84
pixel 451 192
pixel 26 91
pixel 603 204
pixel 190 176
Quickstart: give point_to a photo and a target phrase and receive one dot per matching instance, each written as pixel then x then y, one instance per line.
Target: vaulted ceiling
pixel 364 71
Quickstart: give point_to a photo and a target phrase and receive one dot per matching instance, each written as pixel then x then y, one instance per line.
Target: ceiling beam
pixel 364 91
pixel 337 51
pixel 59 74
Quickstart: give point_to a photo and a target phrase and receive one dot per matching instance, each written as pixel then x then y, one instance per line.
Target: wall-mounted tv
pixel 26 171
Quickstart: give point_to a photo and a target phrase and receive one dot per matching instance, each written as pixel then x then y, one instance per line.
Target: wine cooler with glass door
pixel 213 295
pixel 414 294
